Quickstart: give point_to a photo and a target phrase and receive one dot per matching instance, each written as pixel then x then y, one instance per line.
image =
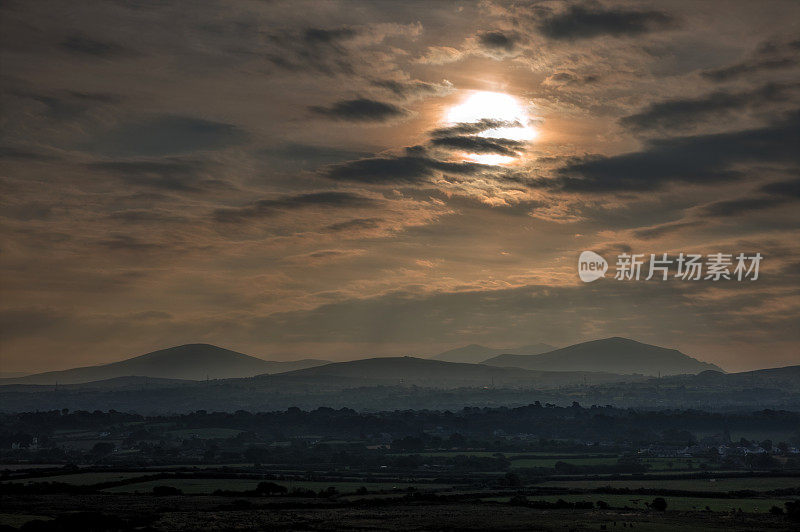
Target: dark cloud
pixel 360 110
pixel 579 22
pixel 165 135
pixel 298 156
pixel 355 224
pixel 779 193
pixel 472 128
pixel 312 50
pixel 413 88
pixel 770 56
pixel 696 159
pixel 319 35
pixel 169 173
pixel 84 45
pixel 129 243
pixel 568 78
pixel 270 207
pixel 649 233
pixel 743 205
pixel 685 112
pixel 23 154
pixel 474 144
pixel 790 188
pixel 413 167
pixel 498 40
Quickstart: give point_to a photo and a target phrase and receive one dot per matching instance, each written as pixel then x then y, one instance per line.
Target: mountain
pixel 187 362
pixel 474 353
pixel 785 378
pixel 614 355
pixel 430 373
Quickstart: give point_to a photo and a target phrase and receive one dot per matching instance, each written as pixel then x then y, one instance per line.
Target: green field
pixel 673 503
pixel 209 485
pixel 84 479
pixel 717 485
pixel 551 462
pixel 203 434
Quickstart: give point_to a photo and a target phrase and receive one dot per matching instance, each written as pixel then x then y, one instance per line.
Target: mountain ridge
pixel 183 362
pixel 475 353
pixel 614 355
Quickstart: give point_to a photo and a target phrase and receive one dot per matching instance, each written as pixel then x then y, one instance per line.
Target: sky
pixel 343 179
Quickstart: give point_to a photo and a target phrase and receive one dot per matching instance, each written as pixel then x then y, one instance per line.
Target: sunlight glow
pixel 494 106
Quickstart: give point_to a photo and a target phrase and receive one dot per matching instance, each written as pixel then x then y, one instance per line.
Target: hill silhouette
pixel 614 355
pixel 434 374
pixel 474 353
pixel 186 362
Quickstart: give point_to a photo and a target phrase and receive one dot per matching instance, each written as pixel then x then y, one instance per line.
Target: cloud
pixel 441 55
pixel 172 174
pixel 413 167
pixel 497 40
pixel 361 110
pixel 271 207
pixel 579 22
pixel 165 135
pixel 770 56
pixel 779 193
pixel 88 46
pixel 790 188
pixel 319 35
pixel 474 144
pixel 355 224
pixel 129 243
pixel 472 128
pixel 739 206
pixel 696 159
pixel 657 231
pixel 685 112
pixel 414 88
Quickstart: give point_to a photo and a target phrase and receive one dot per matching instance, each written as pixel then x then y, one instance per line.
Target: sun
pixel 478 105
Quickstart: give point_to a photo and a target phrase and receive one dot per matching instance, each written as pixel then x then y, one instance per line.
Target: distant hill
pixel 785 378
pixel 433 374
pixel 187 362
pixel 614 355
pixel 474 353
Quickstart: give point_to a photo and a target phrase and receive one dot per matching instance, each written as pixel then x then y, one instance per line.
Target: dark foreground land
pixel 466 511
pixel 538 467
pixel 128 512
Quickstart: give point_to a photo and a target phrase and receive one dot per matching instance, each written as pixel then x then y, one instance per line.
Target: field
pixel 209 485
pixel 700 485
pixel 680 504
pixel 551 462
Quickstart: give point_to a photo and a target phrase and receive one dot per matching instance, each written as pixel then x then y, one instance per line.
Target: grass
pixel 209 485
pixel 673 503
pixel 17 520
pixel 719 485
pixel 204 434
pixel 83 479
pixel 551 462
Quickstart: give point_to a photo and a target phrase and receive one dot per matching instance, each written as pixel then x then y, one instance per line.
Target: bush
pixel 161 491
pixel 659 504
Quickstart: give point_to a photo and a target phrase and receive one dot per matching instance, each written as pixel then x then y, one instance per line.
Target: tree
pixel 270 488
pixel 659 504
pixel 102 448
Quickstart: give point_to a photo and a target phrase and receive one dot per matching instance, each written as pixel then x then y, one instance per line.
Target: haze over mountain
pixel 435 374
pixel 614 355
pixel 475 354
pixel 187 362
